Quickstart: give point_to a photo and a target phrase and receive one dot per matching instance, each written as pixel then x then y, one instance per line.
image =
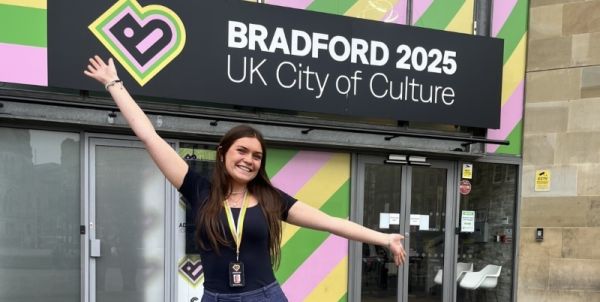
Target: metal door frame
pixel 450 236
pixel 88 272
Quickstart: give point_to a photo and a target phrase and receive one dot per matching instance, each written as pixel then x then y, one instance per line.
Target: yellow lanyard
pixel 236 232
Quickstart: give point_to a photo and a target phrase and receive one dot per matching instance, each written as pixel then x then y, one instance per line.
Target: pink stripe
pixel 302 4
pixel 419 8
pixel 23 64
pixel 316 268
pixel 500 13
pixel 511 114
pixel 148 41
pixel 292 177
pixel 397 14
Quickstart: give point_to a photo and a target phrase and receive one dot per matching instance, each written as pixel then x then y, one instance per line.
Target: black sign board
pixel 242 53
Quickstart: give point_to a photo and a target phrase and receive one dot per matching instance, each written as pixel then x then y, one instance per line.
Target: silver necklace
pixel 236 203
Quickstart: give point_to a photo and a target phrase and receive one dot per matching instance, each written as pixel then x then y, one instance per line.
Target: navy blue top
pixel 254 251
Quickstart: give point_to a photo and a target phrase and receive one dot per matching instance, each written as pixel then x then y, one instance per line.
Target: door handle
pixel 95 248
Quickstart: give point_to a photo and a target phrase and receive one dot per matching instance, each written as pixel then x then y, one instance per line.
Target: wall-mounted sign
pixel 467 171
pixel 464 187
pixel 542 180
pixel 241 53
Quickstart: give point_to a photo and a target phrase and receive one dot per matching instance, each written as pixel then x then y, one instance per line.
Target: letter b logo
pixel 143 39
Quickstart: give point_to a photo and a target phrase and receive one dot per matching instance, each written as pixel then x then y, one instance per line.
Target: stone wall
pixel 562 133
pixel 493 199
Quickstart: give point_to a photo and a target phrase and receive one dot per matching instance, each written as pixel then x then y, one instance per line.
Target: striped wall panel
pixel 509 22
pixel 23 42
pixel 393 11
pixel 450 15
pixel 313 263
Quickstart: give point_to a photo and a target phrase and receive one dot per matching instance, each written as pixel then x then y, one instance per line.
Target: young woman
pixel 239 212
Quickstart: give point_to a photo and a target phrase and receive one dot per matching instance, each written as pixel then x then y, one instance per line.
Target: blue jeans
pixel 269 293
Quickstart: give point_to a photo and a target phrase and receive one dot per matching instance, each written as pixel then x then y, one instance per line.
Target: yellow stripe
pixel 334 286
pixel 513 72
pixel 321 187
pixel 463 21
pixel 370 9
pixel 26 3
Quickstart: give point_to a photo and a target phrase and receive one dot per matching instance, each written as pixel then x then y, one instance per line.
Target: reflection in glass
pixel 489 248
pixel 201 159
pixel 428 217
pixel 382 197
pixel 130 211
pixel 39 216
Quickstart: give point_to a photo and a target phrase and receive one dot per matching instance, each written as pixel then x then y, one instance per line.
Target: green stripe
pixel 277 158
pixel 332 7
pixel 514 28
pixel 306 241
pixel 440 14
pixel 297 250
pixel 344 298
pixel 338 204
pixel 515 138
pixel 23 25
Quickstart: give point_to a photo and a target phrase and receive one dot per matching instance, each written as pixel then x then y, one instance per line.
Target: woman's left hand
pixel 397 249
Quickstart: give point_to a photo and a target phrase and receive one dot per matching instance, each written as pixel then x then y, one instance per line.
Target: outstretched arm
pixel 168 161
pixel 304 215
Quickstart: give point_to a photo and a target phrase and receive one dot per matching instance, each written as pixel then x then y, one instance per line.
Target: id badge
pixel 236 274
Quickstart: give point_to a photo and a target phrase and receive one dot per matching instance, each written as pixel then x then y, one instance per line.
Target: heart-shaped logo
pixel 143 39
pixel 192 270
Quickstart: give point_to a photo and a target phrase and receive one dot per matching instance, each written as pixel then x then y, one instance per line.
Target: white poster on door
pixel 394 218
pixel 384 220
pixel 467 221
pixel 415 219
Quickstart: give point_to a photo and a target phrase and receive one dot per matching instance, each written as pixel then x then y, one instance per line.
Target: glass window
pixel 39 216
pixel 130 222
pixel 201 159
pixel 485 250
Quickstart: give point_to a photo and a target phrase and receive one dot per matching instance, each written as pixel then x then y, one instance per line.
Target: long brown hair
pixel 269 199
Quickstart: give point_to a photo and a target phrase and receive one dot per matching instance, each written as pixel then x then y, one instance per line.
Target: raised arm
pixel 168 161
pixel 304 215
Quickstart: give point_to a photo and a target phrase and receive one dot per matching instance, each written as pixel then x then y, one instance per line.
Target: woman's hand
pixel 100 71
pixel 395 246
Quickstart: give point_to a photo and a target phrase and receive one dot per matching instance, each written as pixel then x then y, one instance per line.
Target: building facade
pixel 85 215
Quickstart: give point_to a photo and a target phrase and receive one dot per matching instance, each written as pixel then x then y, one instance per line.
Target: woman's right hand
pixel 100 71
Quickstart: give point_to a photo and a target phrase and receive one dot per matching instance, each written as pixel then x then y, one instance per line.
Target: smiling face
pixel 242 161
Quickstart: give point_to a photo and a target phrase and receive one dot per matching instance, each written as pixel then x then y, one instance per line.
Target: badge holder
pixel 236 274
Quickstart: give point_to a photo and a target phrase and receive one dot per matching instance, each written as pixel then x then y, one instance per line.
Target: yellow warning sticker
pixel 542 180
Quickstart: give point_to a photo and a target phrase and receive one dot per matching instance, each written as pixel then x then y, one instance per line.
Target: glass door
pixel 380 194
pixel 128 203
pixel 417 201
pixel 429 219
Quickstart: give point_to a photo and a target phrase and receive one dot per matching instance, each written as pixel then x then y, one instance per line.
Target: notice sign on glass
pixel 467 171
pixel 467 222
